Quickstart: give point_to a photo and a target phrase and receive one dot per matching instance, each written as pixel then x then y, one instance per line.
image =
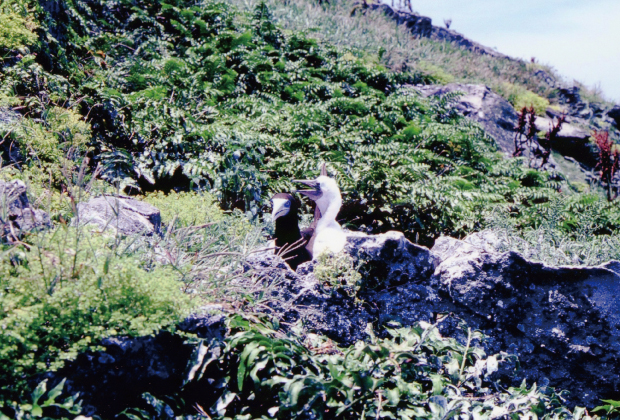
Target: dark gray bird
pixel 290 241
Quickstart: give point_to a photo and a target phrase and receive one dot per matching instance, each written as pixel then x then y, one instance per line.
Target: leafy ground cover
pixel 164 99
pixel 173 95
pixel 263 372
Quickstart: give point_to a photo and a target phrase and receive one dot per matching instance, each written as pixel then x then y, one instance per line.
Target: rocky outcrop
pixel 614 114
pixel 423 27
pixel 572 140
pixel 481 104
pixel 8 117
pixel 563 323
pixel 499 118
pixel 17 216
pixel 126 215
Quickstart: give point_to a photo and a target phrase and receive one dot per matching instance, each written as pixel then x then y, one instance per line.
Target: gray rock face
pixel 481 104
pixel 8 117
pixel 568 131
pixel 562 322
pixel 16 214
pixel 571 141
pixel 124 214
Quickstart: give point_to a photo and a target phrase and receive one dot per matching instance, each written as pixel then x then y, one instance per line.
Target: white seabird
pixel 328 235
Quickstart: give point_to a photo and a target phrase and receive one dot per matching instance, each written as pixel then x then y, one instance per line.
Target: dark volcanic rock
pixel 614 114
pixel 114 379
pixel 16 213
pixel 124 214
pixel 391 260
pixel 562 322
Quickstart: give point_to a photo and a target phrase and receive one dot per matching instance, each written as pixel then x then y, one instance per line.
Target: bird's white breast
pixel 329 239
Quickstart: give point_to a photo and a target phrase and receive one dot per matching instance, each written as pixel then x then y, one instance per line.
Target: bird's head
pixel 324 190
pixel 282 204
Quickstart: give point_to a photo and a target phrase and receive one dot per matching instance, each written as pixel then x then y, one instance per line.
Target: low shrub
pixel 338 273
pixel 567 232
pixel 65 290
pixel 521 98
pixel 16 31
pixel 186 208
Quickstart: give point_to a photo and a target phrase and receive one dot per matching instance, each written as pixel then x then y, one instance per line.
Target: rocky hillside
pixel 582 115
pixel 142 141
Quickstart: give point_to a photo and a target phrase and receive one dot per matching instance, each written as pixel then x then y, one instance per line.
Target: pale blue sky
pixel 579 38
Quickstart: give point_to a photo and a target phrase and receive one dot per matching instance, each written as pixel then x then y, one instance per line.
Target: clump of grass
pixel 338 272
pixel 52 143
pixel 521 98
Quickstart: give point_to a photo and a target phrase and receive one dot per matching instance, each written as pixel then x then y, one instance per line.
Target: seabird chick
pixel 328 235
pixel 288 235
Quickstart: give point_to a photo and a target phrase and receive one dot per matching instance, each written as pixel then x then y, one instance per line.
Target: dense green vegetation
pixel 192 94
pixel 346 23
pixel 205 111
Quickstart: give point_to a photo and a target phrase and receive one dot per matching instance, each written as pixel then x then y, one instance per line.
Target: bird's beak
pixel 279 209
pixel 313 194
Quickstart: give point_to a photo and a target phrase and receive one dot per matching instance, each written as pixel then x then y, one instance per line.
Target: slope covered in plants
pixel 196 94
pixel 149 97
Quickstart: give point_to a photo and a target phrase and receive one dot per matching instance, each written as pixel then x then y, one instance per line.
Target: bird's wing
pixel 308 235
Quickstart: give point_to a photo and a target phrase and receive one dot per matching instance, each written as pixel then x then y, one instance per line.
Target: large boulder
pixel 572 141
pixel 16 214
pixel 126 215
pixel 562 322
pixel 481 104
